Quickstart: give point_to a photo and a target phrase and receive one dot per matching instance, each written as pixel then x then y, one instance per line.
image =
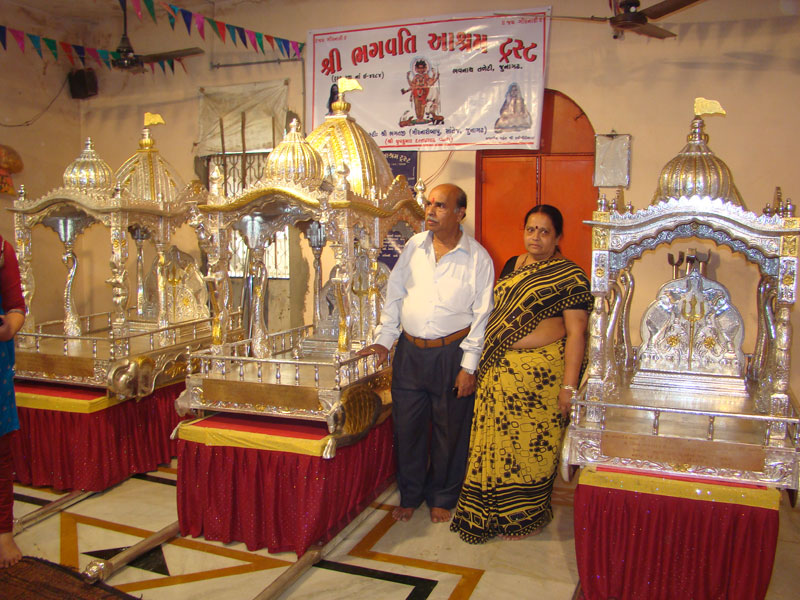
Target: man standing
pixel 440 292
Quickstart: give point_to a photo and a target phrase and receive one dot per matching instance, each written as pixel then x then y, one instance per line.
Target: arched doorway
pixel 510 182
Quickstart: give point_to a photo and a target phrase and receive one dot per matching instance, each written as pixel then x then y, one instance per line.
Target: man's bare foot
pixel 402 513
pixel 439 515
pixel 10 553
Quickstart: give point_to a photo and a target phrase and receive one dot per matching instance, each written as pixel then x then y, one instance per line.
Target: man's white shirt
pixel 431 299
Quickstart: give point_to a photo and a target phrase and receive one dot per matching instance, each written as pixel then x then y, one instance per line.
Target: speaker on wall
pixel 82 83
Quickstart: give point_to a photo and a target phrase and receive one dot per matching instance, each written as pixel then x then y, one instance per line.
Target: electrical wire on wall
pixel 32 120
pixel 429 180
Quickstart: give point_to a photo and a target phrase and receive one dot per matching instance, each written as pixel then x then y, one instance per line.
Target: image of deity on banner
pixel 514 115
pixel 423 85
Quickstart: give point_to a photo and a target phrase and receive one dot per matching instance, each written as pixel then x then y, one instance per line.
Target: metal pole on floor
pixel 104 569
pixel 49 509
pixel 316 553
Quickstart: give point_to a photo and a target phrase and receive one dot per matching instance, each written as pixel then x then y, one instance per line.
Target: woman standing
pixel 12 316
pixel 530 367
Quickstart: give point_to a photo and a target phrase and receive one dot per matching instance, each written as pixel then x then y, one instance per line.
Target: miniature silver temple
pixel 337 188
pixel 688 400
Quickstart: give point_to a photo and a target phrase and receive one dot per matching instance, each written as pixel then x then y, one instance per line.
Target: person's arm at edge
pixel 472 345
pixel 575 322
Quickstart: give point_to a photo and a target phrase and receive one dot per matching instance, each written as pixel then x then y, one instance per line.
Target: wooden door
pixel 510 182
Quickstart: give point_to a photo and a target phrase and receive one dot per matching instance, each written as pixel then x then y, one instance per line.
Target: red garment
pixel 10 288
pixel 6 485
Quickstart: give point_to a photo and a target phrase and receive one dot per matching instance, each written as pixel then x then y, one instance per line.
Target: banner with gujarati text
pixel 458 82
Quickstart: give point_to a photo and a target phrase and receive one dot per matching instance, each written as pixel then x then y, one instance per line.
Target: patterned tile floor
pixel 373 558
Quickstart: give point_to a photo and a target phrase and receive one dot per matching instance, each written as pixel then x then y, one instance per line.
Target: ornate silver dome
pixel 294 161
pixel 696 170
pixel 89 172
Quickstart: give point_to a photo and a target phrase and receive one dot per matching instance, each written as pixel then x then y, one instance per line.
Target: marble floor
pixel 374 557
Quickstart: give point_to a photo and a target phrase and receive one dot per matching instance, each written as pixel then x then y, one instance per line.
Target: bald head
pixel 453 192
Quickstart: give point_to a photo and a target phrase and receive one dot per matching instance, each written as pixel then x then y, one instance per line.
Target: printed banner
pixel 461 82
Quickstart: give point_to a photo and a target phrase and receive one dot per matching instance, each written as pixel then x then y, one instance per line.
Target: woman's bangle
pixel 570 388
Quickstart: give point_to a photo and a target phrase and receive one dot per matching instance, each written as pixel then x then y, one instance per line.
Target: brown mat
pixel 43 580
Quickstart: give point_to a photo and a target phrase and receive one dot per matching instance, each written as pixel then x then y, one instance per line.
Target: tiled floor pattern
pixel 374 558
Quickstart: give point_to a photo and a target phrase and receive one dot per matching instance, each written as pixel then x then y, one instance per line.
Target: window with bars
pixel 237 175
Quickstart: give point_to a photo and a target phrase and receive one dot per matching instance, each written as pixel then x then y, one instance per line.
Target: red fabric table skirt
pixel 96 450
pixel 687 539
pixel 282 501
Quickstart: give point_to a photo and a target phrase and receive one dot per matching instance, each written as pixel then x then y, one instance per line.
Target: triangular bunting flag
pixel 283 45
pixel 67 49
pixel 271 41
pixel 180 61
pixel 240 31
pixel 51 45
pixel 81 52
pixel 260 40
pixel 137 6
pixel 123 4
pixel 172 12
pixel 152 68
pixel 231 32
pixel 220 29
pixel 95 56
pixel 36 42
pixel 20 37
pixel 251 35
pixel 3 36
pixel 151 9
pixel 104 56
pixel 171 63
pixel 114 55
pixel 163 68
pixel 200 24
pixel 296 49
pixel 187 18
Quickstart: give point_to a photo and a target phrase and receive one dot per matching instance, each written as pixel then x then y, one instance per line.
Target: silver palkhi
pixel 688 400
pixel 336 187
pixel 142 341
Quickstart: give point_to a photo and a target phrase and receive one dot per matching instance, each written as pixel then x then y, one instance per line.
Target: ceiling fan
pixel 130 61
pixel 628 17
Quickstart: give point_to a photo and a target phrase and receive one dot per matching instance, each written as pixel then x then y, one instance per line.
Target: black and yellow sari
pixel 517 428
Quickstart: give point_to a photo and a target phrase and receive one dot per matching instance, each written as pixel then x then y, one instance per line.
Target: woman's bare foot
pixel 10 553
pixel 439 515
pixel 402 513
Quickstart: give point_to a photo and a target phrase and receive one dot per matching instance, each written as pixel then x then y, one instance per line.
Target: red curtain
pixel 279 500
pixel 95 451
pixel 632 545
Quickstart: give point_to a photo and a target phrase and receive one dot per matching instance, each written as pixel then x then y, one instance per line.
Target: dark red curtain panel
pixel 94 451
pixel 644 546
pixel 281 501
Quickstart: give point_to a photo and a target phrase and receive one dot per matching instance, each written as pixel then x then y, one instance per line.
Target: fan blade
pixel 589 19
pixel 653 31
pixel 665 7
pixel 171 55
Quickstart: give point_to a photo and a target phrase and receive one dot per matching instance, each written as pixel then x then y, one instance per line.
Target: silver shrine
pixel 688 400
pixel 337 188
pixel 129 349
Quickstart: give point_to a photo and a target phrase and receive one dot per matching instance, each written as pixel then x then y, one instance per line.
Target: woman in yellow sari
pixel 530 367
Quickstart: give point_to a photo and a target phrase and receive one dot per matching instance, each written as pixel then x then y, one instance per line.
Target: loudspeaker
pixel 82 83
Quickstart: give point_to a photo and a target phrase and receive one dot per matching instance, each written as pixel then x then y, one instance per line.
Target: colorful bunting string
pixel 234 33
